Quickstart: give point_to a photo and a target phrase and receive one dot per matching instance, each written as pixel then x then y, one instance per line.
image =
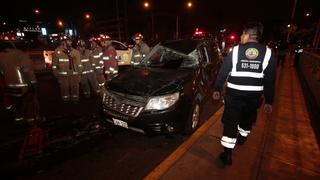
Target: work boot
pixel 226 156
pixel 241 139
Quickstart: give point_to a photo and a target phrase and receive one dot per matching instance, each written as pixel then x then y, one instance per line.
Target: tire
pixel 193 120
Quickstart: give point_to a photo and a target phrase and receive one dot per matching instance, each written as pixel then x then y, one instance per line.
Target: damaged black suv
pixel 166 91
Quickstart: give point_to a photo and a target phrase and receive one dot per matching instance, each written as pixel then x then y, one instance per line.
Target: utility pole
pixel 177 27
pixel 126 20
pixel 292 18
pixel 118 20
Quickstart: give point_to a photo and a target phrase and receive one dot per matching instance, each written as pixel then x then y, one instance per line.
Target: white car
pixel 124 53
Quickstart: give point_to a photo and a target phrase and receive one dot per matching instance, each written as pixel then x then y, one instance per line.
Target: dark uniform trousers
pixel 89 80
pixel 239 114
pixel 69 85
pixel 26 106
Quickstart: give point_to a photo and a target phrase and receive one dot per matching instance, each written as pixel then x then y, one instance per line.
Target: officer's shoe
pixel 226 157
pixel 241 140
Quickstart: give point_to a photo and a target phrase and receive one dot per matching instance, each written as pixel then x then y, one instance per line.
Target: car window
pixel 204 55
pixel 119 46
pixel 162 57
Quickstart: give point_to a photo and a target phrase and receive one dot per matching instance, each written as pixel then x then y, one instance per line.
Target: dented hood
pixel 148 81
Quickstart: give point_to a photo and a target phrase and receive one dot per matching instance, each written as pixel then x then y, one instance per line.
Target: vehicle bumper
pixel 165 121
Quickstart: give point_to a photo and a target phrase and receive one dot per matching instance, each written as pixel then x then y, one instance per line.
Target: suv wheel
pixel 194 118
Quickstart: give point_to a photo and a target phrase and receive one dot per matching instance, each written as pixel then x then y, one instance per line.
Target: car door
pixel 123 53
pixel 207 69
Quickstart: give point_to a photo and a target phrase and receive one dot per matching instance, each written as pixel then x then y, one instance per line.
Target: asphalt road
pixel 78 146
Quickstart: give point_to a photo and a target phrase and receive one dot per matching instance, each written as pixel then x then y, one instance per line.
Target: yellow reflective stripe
pixel 63 60
pixel 84 60
pixel 17 85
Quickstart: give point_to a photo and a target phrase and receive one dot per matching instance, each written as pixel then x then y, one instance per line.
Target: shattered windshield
pixel 163 57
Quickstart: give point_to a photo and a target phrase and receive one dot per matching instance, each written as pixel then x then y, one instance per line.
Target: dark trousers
pixel 296 59
pixel 25 106
pixel 240 112
pixel 87 81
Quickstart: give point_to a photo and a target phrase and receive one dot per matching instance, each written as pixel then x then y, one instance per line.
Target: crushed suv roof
pixel 184 46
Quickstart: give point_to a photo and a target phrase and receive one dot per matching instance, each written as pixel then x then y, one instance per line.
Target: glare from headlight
pixel 162 102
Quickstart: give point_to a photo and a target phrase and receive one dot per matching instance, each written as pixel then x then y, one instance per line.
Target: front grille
pixel 129 109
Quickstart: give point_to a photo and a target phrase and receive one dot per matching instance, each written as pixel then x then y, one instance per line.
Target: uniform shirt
pixel 96 55
pixel 110 59
pixel 139 51
pixel 66 63
pixel 86 61
pixel 251 59
pixel 17 68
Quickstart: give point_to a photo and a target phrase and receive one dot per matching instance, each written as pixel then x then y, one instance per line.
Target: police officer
pixel 251 69
pixel 20 83
pixel 67 68
pixel 109 56
pixel 140 50
pixel 96 55
pixel 298 50
pixel 88 78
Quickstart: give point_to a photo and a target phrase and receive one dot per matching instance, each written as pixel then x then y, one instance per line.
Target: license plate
pixel 120 123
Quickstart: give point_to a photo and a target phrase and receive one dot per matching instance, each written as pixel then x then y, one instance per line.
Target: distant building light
pixel 54 35
pixel 22 34
pixel 4 23
pixel 44 31
pixel 19 34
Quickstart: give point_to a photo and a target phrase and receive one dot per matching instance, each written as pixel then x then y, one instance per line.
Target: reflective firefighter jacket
pixel 97 62
pixel 109 57
pixel 252 70
pixel 86 61
pixel 66 62
pixel 139 51
pixel 17 69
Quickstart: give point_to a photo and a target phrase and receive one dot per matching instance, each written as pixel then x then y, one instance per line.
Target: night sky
pixel 207 14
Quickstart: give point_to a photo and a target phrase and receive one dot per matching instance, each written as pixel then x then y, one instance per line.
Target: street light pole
pixel 292 18
pixel 177 27
pixel 118 20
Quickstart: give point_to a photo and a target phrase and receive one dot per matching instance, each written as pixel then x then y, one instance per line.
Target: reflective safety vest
pixel 246 72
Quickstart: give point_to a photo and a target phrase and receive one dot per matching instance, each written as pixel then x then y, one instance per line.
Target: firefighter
pixel 66 67
pixel 140 50
pixel 97 63
pixel 109 56
pixel 20 82
pixel 88 78
pixel 251 68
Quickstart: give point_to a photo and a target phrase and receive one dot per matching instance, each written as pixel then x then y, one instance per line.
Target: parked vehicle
pixel 124 53
pixel 166 92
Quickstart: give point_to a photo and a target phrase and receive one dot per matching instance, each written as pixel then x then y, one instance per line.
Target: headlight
pixel 162 102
